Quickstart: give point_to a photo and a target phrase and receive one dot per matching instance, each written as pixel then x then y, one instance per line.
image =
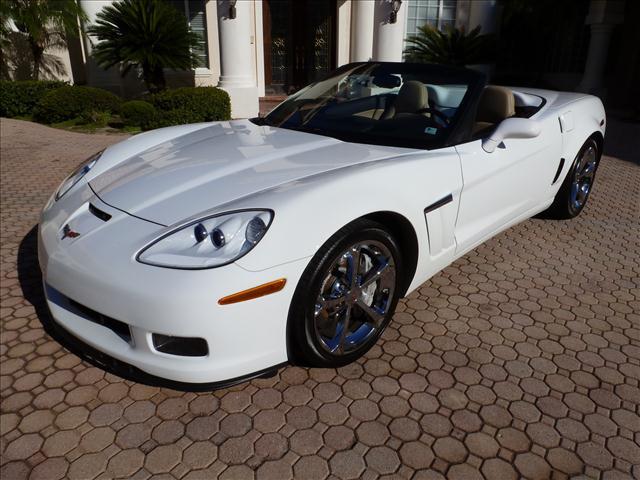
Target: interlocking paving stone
pixel 520 360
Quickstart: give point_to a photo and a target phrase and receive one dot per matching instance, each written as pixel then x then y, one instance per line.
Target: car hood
pixel 181 176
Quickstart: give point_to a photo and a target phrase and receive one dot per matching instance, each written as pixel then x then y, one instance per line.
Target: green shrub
pixel 178 116
pixel 70 102
pixel 18 98
pixel 94 118
pixel 206 103
pixel 137 113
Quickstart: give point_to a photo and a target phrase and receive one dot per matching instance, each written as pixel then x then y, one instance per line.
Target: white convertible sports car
pixel 212 253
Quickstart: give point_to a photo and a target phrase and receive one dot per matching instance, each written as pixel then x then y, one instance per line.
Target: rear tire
pixel 577 185
pixel 353 281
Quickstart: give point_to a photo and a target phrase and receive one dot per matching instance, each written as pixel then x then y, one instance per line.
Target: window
pixel 437 13
pixel 196 15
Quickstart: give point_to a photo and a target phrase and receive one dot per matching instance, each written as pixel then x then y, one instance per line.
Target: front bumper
pixel 98 271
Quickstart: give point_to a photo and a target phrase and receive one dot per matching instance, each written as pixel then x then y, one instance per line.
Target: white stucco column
pixel 362 12
pixel 388 39
pixel 96 75
pixel 91 8
pixel 602 17
pixel 236 59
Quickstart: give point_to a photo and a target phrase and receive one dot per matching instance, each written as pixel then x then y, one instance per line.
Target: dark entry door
pixel 299 43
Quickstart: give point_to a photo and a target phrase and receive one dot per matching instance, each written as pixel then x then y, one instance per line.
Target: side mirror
pixel 511 128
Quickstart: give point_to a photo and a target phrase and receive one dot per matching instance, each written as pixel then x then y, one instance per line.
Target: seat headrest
pixel 412 97
pixel 496 104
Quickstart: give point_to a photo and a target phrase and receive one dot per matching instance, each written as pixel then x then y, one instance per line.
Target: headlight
pixel 209 242
pixel 77 174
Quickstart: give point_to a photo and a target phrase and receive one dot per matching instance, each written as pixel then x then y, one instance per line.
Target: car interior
pixel 389 105
pixel 411 98
pixel 496 104
pixel 434 104
pixel 499 103
pixel 400 106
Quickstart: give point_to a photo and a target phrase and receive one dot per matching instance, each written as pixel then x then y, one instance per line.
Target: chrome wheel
pixel 583 177
pixel 354 297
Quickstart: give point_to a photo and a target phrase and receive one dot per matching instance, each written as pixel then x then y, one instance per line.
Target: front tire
pixel 346 296
pixel 575 190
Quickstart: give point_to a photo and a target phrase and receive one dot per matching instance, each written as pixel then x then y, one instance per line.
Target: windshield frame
pixel 461 122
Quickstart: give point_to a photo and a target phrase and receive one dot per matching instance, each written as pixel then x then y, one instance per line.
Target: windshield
pixel 399 104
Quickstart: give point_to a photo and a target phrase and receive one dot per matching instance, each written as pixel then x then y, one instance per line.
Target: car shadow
pixel 30 279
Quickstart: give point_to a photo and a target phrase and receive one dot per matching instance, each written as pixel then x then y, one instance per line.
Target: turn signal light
pixel 255 292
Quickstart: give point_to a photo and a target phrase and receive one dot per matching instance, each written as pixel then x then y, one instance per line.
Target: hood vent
pixel 104 216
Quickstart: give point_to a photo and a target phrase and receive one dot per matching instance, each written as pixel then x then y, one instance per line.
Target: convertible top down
pixel 209 253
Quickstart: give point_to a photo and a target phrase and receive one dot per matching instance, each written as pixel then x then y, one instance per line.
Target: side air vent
pixel 104 216
pixel 555 178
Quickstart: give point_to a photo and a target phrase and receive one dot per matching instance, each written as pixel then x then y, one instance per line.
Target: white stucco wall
pixel 356 34
pixel 17 59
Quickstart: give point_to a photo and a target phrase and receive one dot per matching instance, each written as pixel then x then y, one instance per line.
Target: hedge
pixel 205 104
pixel 69 102
pixel 178 116
pixel 137 113
pixel 18 98
pixel 55 102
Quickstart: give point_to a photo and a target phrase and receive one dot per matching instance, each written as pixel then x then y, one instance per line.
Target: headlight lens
pixel 209 242
pixel 77 174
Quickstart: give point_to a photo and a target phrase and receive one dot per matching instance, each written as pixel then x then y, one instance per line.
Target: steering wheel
pixel 437 113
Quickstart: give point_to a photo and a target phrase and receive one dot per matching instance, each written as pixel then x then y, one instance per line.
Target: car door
pixel 502 186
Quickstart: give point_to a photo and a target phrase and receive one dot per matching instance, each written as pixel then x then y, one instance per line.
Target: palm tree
pixel 451 46
pixel 44 23
pixel 150 34
pixel 5 28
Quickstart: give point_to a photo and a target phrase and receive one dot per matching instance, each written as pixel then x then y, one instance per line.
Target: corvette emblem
pixel 68 233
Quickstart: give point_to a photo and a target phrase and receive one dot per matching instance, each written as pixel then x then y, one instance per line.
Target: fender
pixel 578 121
pixel 315 202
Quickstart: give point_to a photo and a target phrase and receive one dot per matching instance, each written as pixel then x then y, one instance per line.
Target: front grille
pixel 116 326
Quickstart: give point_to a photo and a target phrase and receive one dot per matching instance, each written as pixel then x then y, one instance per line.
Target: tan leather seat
pixel 496 104
pixel 412 97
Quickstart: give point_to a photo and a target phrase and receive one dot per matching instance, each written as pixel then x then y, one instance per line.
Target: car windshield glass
pixel 407 105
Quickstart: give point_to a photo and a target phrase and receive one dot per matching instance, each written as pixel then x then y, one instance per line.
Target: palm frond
pixel 452 46
pixel 45 23
pixel 150 34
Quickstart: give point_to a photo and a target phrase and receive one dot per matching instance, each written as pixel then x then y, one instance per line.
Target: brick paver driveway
pixel 520 360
